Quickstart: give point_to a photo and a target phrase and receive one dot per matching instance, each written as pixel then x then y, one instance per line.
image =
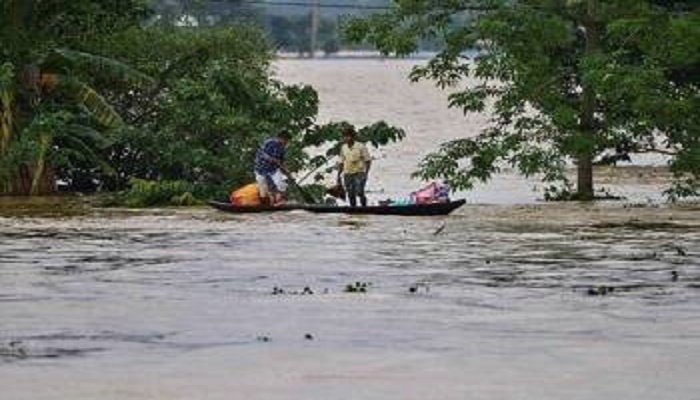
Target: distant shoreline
pixel 363 55
pixel 353 55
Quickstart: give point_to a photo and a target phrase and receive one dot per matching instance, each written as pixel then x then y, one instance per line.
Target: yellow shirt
pixel 355 158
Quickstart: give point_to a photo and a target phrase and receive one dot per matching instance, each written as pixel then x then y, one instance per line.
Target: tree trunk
pixel 22 184
pixel 584 159
pixel 584 187
pixel 23 180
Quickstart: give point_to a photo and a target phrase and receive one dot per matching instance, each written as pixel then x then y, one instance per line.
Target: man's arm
pixel 272 159
pixel 341 162
pixel 367 158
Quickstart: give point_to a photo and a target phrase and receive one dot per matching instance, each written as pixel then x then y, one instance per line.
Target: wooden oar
pixel 308 198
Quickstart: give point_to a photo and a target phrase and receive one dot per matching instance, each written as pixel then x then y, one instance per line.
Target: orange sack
pixel 246 196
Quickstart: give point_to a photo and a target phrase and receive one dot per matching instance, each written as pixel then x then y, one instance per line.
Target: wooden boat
pixel 228 207
pixel 405 210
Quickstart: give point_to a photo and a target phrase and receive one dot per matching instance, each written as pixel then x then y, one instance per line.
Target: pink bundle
pixel 433 193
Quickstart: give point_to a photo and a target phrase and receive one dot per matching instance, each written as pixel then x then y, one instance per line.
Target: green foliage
pixel 143 193
pixel 212 105
pixel 568 193
pixel 565 81
pixel 211 109
pixel 45 91
pixel 357 287
pixel 99 106
pixel 325 141
pixel 314 190
pixel 31 28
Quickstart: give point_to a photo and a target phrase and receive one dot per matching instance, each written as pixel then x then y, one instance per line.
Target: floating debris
pixel 305 291
pixel 417 287
pixel 19 350
pixel 440 229
pixel 600 291
pixel 14 349
pixel 352 224
pixel 276 290
pixel 357 287
pixel 643 256
pixel 681 251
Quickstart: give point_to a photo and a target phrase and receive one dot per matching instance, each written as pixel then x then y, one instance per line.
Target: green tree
pixel 107 100
pixel 49 111
pixel 213 103
pixel 215 100
pixel 204 12
pixel 582 81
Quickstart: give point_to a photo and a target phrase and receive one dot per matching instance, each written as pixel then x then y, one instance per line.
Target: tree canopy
pixel 95 95
pixel 48 108
pixel 582 81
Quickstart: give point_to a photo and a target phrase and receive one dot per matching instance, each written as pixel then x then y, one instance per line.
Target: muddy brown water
pixel 505 299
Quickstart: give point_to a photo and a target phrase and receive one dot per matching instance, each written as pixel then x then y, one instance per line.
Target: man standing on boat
pixel 270 173
pixel 354 165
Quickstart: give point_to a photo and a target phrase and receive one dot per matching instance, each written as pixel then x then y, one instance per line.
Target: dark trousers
pixel 355 187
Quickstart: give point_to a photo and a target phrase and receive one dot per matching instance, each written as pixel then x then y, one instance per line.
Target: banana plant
pixel 41 85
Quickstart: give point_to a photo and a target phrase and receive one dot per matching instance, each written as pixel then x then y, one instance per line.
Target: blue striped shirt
pixel 274 148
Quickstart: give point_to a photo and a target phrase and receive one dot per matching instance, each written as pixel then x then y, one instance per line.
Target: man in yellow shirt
pixel 354 166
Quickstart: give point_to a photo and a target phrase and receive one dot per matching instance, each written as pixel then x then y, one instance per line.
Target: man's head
pixel 284 137
pixel 349 135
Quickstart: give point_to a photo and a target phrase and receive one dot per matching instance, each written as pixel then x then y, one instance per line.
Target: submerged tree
pixel 583 81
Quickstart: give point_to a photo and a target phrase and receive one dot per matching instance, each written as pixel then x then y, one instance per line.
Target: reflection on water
pixel 523 294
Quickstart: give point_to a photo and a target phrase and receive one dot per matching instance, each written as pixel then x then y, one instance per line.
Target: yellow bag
pixel 246 196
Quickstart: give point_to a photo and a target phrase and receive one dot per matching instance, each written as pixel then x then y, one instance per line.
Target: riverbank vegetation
pixel 582 82
pixel 119 96
pixel 103 96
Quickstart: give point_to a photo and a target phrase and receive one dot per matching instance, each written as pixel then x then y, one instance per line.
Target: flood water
pixel 505 299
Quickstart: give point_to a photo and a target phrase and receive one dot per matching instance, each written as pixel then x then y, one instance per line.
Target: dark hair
pixel 349 131
pixel 284 135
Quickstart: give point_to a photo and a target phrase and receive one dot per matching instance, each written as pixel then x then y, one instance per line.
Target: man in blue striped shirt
pixel 270 173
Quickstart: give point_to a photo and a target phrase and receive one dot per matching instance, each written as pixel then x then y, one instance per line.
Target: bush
pixel 214 103
pixel 143 193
